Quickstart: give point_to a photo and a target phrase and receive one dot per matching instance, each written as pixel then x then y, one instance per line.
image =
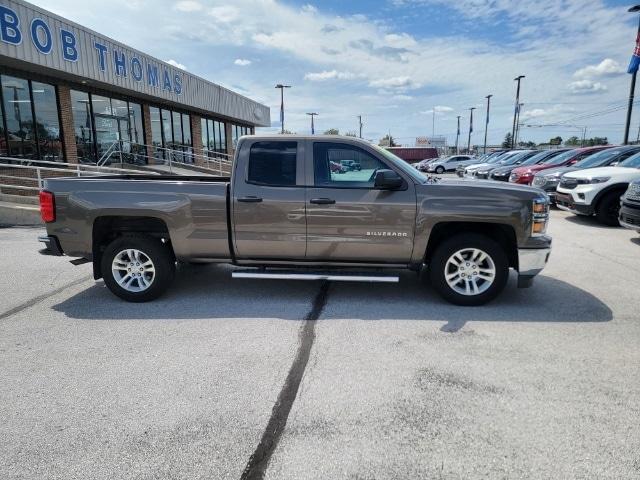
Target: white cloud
pixel 225 13
pixel 439 109
pixel 580 87
pixel 392 82
pixel 176 64
pixel 329 75
pixel 607 67
pixel 188 6
pixel 242 62
pixel 308 8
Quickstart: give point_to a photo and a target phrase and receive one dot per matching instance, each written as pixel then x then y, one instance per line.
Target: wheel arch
pixel 621 186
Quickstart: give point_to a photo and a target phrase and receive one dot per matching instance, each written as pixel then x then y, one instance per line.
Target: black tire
pixel 440 170
pixel 608 209
pixel 438 268
pixel 163 263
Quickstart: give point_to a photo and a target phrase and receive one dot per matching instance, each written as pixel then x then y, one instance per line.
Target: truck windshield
pixel 414 173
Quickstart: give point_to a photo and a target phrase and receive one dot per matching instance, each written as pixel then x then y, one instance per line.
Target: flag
pixel 635 58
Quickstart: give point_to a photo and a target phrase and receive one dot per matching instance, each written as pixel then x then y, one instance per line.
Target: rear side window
pixel 273 163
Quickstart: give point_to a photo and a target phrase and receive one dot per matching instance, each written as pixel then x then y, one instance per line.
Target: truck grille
pixel 568 183
pixel 635 221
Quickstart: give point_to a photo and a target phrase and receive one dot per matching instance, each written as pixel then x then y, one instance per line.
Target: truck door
pixel 268 202
pixel 347 218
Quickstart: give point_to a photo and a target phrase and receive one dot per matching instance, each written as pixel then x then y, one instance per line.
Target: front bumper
pixel 630 215
pixel 51 246
pixel 565 202
pixel 531 261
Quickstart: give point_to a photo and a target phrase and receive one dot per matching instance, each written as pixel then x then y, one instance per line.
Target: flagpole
pixel 282 87
pixel 486 125
pixel 470 130
pixel 513 130
pixel 632 90
pixel 458 136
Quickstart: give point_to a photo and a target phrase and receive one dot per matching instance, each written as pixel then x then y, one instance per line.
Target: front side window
pixel 343 165
pixel 273 164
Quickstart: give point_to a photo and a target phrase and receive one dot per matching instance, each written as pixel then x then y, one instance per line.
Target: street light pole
pixel 632 90
pixel 458 135
pixel 470 130
pixel 312 114
pixel 486 125
pixel 360 124
pixel 515 112
pixel 282 87
pixel 520 105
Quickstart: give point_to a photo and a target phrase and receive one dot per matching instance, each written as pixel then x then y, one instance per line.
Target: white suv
pixel 598 190
pixel 448 164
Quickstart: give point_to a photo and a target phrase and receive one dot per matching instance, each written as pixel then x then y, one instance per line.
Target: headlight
pixel 588 181
pixel 540 216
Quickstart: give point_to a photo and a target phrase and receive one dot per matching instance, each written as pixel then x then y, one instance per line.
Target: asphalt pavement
pixel 231 379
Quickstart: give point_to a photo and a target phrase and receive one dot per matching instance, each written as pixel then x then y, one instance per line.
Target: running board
pixel 333 276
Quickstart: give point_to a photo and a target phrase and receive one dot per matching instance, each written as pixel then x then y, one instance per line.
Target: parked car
pixel 524 175
pixel 422 165
pixel 598 190
pixel 470 170
pixel 351 165
pixel 548 180
pixel 502 174
pixel 336 167
pixel 483 159
pixel 484 173
pixel 270 221
pixel 630 207
pixel 448 164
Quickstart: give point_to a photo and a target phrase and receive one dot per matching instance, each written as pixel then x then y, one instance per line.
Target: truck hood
pixel 499 188
pixel 613 172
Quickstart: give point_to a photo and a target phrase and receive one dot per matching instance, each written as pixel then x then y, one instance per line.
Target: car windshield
pixel 513 159
pixel 560 159
pixel 599 158
pixel 538 158
pixel 631 162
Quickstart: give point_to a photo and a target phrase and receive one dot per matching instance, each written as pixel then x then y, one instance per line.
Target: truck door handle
pixel 322 201
pixel 250 199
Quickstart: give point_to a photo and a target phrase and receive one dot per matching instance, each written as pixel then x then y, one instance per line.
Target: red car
pixel 524 175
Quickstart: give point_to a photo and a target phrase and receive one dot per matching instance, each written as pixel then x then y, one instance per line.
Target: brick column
pixel 68 130
pixel 196 138
pixel 228 138
pixel 146 120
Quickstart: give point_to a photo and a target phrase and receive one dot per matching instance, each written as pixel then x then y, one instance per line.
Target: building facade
pixel 69 94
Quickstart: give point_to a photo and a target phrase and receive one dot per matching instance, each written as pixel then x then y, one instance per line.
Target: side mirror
pixel 387 180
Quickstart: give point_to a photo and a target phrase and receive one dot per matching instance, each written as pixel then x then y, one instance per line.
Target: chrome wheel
pixel 470 271
pixel 133 270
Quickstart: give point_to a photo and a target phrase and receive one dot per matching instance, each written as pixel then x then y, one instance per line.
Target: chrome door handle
pixel 322 201
pixel 250 199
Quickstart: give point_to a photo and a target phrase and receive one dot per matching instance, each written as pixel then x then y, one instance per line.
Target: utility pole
pixel 433 123
pixel 486 125
pixel 520 105
pixel 632 90
pixel 360 124
pixel 458 135
pixel 515 113
pixel 282 87
pixel 312 114
pixel 470 130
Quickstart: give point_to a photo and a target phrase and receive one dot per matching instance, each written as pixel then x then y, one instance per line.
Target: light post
pixel 486 125
pixel 470 130
pixel 458 135
pixel 312 114
pixel 282 87
pixel 520 105
pixel 360 124
pixel 634 73
pixel 515 112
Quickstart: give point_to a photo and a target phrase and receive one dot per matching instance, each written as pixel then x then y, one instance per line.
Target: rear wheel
pixel 137 268
pixel 608 209
pixel 469 269
pixel 440 170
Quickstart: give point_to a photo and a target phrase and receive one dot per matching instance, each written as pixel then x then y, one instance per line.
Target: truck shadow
pixel 208 292
pixel 590 222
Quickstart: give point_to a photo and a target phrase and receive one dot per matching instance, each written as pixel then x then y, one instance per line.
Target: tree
pixel 572 141
pixel 598 141
pixel 332 131
pixel 556 141
pixel 387 141
pixel 528 144
pixel 350 134
pixel 508 139
pixel 288 132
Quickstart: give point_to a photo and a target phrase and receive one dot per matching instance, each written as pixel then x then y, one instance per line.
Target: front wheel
pixel 609 209
pixel 137 268
pixel 469 269
pixel 440 170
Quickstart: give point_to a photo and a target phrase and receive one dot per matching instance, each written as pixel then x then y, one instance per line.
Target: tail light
pixel 47 206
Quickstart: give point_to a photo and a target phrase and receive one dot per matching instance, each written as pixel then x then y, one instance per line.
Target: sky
pixel 396 61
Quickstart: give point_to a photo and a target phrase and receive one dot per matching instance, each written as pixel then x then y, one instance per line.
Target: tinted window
pixel 330 168
pixel 273 163
pixel 631 162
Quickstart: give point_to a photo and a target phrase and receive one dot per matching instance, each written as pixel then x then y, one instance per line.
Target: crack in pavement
pixel 259 461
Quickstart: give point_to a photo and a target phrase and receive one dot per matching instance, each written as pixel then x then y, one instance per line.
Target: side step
pixel 299 275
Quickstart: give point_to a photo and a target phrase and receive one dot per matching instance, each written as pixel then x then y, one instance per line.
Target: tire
pixel 440 170
pixel 145 286
pixel 608 209
pixel 443 264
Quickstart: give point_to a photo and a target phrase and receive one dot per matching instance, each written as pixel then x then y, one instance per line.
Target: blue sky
pixel 395 61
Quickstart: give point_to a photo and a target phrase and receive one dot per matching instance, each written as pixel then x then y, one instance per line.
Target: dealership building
pixel 69 94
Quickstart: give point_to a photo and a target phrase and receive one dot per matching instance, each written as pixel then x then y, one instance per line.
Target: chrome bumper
pixel 531 261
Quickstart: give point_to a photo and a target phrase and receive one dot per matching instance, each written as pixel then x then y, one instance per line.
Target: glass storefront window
pixel 101 105
pixel 166 128
pixel 135 122
pixel 204 135
pixel 186 129
pixel 19 121
pixel 213 137
pixel 119 107
pixel 3 138
pixel 83 126
pixel 223 138
pixel 47 122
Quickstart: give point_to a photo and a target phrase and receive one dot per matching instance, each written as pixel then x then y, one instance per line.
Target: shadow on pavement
pixel 636 240
pixel 589 222
pixel 209 292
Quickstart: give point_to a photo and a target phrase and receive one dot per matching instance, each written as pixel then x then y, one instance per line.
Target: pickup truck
pixel 284 213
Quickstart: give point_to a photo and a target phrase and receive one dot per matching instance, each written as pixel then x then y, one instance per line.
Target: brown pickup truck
pixel 285 213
